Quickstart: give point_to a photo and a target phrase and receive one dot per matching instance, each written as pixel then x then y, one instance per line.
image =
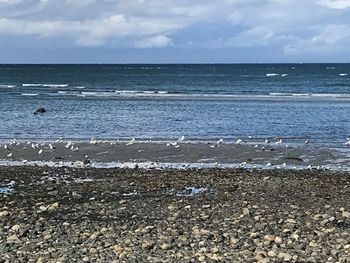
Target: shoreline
pixel 204 215
pixel 173 154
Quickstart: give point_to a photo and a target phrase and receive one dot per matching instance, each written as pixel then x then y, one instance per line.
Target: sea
pixel 252 102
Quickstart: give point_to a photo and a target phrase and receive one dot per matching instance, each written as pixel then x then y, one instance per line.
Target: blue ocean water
pixel 201 102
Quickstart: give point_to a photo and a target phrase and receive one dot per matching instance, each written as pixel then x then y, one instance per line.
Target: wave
pixel 30 94
pixel 271 74
pixel 7 86
pixel 343 74
pixel 276 96
pixel 45 85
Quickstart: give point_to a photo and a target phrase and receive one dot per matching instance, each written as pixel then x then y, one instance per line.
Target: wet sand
pixel 175 152
pixel 59 214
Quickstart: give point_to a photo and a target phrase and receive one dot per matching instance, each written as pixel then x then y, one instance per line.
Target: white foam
pixel 30 94
pixel 7 86
pixel 271 74
pixel 44 85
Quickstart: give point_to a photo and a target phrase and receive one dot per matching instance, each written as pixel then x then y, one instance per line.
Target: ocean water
pixel 201 102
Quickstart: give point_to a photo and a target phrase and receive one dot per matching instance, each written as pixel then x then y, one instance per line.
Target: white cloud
pixel 292 26
pixel 336 4
pixel 158 41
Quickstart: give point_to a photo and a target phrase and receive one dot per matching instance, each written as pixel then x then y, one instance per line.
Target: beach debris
pixel 191 191
pixel 39 110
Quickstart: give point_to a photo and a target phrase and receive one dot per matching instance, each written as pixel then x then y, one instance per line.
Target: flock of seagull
pixel 69 145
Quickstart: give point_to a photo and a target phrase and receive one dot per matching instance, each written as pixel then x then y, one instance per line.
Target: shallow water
pixel 204 102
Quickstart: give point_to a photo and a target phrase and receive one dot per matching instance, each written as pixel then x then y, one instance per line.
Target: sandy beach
pixel 207 215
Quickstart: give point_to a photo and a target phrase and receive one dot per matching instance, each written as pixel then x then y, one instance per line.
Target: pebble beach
pixel 60 214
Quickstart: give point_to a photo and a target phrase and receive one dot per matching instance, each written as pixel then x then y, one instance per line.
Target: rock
pixel 53 207
pixel 284 256
pixel 165 246
pixel 147 245
pixel 4 213
pixel 313 244
pixel 118 249
pixel 15 228
pixel 52 193
pixel 269 238
pixel 272 253
pixel 13 239
pixel 246 212
pixel 40 110
pixel 346 214
pixel 75 195
pixel 278 240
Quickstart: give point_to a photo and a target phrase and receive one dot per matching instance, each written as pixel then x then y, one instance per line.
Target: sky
pixel 174 31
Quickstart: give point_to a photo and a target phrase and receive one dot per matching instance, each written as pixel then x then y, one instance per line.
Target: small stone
pixel 47 237
pixel 278 240
pixel 269 238
pixel 165 246
pixel 147 245
pixel 122 202
pixel 118 249
pixel 53 207
pixel 4 213
pixel 15 228
pixel 271 253
pixel 346 214
pixel 246 211
pixel 313 244
pixel 13 239
pixel 206 206
pixel 75 195
pixel 284 256
pixel 52 193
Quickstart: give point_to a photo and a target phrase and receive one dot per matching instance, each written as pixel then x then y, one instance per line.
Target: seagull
pixel 348 142
pixel 239 141
pixel 181 139
pixel 306 142
pixel 279 141
pixel 220 141
pixel 6 147
pixel 51 147
pixel 40 151
pixel 268 165
pixel 131 142
pixel 9 155
pixel 267 141
pixel 69 144
pixel 93 141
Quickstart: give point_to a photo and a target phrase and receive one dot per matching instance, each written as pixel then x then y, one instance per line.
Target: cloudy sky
pixel 121 31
